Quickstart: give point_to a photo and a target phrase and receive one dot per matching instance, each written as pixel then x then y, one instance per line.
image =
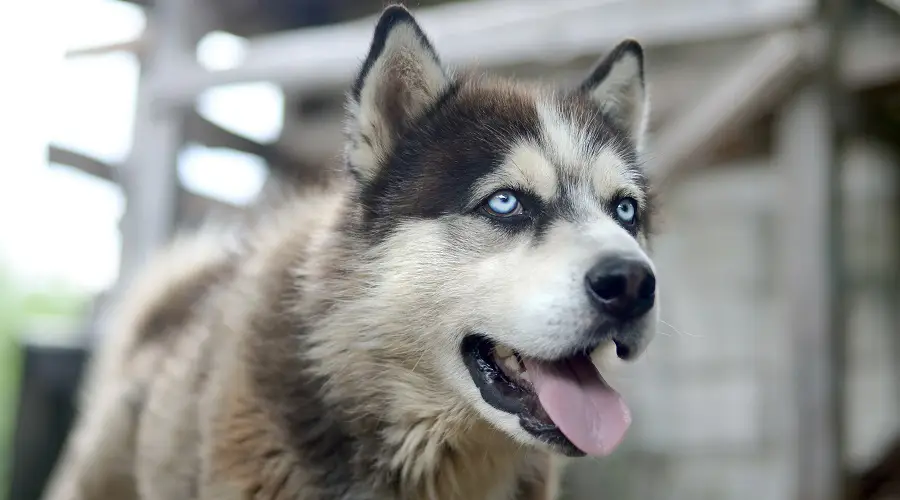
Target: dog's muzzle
pixel 622 289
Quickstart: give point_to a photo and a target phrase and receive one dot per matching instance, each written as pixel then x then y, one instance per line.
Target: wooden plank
pixel 490 33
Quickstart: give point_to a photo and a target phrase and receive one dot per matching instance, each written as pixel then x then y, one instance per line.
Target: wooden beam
pixel 81 161
pixel 760 82
pixel 134 46
pixel 490 33
pixel 199 129
pixel 196 129
pixel 750 89
pixel 195 206
pixel 286 162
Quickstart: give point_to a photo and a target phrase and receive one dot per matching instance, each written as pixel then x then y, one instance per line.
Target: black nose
pixel 623 288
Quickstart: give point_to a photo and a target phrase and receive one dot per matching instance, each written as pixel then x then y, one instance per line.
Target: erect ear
pixel 401 77
pixel 617 85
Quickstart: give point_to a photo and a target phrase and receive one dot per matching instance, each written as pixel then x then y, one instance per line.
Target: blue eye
pixel 504 204
pixel 626 210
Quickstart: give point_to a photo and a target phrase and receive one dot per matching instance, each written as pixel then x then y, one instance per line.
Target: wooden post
pixel 808 204
pixel 810 147
pixel 149 176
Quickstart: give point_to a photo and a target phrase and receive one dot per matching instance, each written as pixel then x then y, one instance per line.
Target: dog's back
pixel 165 360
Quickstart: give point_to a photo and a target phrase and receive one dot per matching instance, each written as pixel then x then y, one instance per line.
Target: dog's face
pixel 506 225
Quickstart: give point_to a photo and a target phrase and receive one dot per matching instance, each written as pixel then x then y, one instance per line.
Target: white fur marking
pixel 525 167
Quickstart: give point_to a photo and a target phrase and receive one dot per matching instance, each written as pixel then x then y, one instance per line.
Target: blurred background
pixel 775 145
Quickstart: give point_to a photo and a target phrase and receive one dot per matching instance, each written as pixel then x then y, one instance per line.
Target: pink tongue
pixel 587 410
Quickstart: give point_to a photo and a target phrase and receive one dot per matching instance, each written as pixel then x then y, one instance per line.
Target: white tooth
pixel 503 352
pixel 605 359
pixel 512 365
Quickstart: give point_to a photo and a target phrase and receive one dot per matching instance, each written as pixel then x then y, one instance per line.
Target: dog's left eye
pixel 503 203
pixel 626 211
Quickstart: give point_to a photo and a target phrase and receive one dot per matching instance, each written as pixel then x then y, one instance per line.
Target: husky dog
pixel 420 328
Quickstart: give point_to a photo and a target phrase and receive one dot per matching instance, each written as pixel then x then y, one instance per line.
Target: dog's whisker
pixel 676 330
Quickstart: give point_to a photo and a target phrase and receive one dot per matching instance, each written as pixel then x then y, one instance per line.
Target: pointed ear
pixel 401 77
pixel 617 85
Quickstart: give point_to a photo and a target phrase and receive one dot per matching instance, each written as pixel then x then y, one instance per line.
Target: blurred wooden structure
pixel 796 69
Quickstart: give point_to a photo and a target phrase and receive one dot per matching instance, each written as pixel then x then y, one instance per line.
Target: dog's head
pixel 506 224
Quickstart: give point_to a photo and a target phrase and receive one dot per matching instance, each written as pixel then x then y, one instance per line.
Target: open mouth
pixel 564 403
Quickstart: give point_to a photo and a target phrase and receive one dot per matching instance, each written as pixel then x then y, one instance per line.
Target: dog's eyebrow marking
pixel 525 167
pixel 582 158
pixel 536 169
pixel 610 176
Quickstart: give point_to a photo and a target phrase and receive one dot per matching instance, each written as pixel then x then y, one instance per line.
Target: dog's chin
pixel 505 383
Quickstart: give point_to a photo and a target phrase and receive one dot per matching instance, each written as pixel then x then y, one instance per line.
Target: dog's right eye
pixel 503 203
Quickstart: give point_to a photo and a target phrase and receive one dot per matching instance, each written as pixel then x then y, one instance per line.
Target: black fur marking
pixel 340 455
pixel 601 71
pixel 437 161
pixel 561 208
pixel 390 18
